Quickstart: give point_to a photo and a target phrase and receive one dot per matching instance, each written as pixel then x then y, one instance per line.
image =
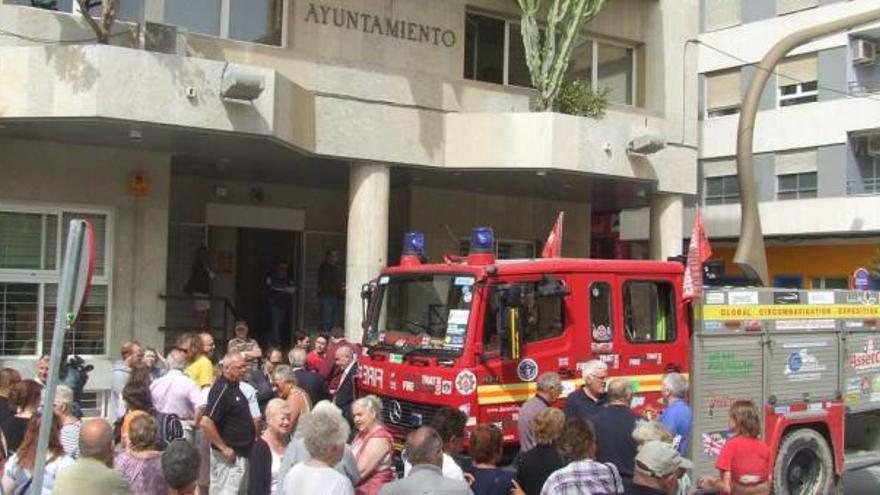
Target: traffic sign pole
pixel 76 277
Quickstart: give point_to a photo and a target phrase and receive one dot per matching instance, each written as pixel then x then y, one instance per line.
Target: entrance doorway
pixel 258 250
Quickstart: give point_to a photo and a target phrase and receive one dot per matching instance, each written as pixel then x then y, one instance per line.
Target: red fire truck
pixel 474 333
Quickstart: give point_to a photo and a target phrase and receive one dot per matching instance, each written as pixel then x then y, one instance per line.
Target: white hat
pixel 660 459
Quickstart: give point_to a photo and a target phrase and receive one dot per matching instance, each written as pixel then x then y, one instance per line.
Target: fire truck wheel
pixel 804 464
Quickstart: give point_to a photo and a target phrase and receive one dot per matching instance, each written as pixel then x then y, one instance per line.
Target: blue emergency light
pixel 413 244
pixel 483 240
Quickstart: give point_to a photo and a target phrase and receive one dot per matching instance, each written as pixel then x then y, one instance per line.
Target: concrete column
pixel 367 242
pixel 666 226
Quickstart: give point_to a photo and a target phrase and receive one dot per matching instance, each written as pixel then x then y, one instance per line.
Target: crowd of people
pixel 268 422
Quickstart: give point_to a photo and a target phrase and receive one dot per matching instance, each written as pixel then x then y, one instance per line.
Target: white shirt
pixel 276 472
pixel 303 478
pixel 450 468
pixel 250 393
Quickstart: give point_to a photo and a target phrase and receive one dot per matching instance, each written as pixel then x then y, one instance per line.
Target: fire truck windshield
pixel 421 313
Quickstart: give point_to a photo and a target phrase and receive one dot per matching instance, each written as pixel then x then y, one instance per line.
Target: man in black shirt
pixel 614 424
pixel 229 427
pixel 586 402
pixel 331 283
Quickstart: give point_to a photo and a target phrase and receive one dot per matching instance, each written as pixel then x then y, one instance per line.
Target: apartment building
pixel 817 138
pixel 278 129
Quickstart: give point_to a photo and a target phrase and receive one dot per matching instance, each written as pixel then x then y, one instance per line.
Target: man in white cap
pixel 657 469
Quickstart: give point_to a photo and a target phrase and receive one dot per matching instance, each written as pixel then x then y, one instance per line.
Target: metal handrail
pixel 871 187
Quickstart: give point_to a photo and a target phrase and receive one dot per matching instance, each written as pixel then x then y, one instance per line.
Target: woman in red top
pixel 744 462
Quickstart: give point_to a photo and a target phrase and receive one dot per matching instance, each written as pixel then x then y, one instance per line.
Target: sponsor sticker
pixel 714 298
pixel 527 370
pixel 803 366
pixel 742 298
pixel 464 281
pixel 820 297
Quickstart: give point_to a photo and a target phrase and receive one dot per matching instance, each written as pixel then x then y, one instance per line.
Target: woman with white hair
pixel 373 446
pixel 264 469
pixel 70 424
pixel 324 434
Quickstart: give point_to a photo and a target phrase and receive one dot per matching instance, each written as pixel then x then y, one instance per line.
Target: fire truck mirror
pixel 368 290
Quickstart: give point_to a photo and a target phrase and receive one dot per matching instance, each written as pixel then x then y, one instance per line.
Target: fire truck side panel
pixel 727 367
pixel 808 358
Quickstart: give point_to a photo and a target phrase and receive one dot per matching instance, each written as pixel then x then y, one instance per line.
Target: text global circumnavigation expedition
pixel 792 311
pixel 383 26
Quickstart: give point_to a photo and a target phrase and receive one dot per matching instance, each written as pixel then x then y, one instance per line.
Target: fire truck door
pixel 648 340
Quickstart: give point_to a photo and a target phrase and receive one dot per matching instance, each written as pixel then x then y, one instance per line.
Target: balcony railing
pixel 864 86
pixel 868 186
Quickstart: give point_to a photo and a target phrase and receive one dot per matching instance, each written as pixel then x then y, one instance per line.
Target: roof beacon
pixel 482 246
pixel 413 249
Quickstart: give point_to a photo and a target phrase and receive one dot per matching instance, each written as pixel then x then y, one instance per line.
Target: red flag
pixel 699 251
pixel 553 246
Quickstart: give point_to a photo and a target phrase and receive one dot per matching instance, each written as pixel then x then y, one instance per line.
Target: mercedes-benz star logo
pixel 395 413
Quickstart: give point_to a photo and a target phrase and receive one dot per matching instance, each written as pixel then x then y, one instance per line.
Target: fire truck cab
pixel 474 333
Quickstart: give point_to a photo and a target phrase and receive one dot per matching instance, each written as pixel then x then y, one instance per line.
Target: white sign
pixel 743 298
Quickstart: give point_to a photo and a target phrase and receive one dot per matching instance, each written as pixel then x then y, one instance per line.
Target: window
pixel 830 283
pixel 796 186
pixel 649 311
pixel 723 93
pixel 605 65
pixel 601 321
pixel 31 242
pixel 798 80
pixel 540 318
pixel 869 171
pixel 616 70
pixel 257 21
pixel 721 14
pixel 494 51
pixel 722 190
pixel 788 6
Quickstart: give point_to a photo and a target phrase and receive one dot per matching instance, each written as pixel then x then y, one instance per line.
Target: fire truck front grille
pixel 406 414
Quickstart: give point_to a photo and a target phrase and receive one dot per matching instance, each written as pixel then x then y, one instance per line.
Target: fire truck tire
pixel 804 464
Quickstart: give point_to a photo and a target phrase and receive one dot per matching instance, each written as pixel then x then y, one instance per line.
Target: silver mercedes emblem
pixel 395 412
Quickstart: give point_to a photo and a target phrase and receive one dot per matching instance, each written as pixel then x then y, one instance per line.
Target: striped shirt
pixel 585 477
pixel 70 438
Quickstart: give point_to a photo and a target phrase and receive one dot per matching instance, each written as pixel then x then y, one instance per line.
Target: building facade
pixel 279 129
pixel 816 138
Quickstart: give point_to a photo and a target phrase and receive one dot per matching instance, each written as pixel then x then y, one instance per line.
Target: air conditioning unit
pixel 864 51
pixel 873 145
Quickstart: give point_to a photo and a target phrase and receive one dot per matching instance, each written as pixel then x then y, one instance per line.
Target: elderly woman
pixel 140 463
pixel 373 446
pixel 324 433
pixel 18 472
pixel 70 424
pixel 264 469
pixel 577 445
pixel 536 465
pixel 285 386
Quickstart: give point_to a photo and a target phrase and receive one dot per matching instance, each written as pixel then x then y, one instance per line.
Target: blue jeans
pixel 331 312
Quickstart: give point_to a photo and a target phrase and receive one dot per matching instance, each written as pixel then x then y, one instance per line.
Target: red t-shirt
pixel 314 362
pixel 747 459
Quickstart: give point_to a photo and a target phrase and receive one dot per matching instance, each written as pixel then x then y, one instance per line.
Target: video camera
pixel 75 374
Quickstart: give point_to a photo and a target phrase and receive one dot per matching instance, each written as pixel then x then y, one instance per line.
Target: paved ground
pixel 865 481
